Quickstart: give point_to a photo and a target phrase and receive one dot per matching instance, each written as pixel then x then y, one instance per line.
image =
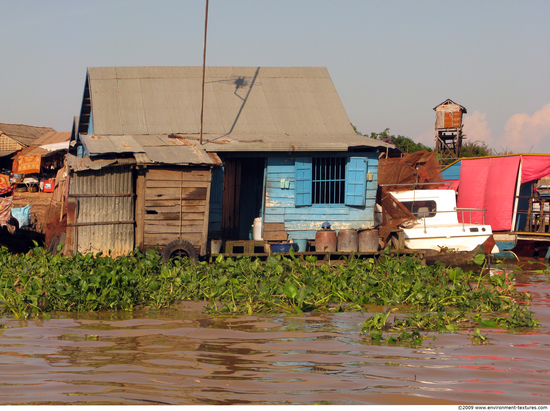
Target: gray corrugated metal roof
pixel 217 143
pixel 150 148
pixel 277 108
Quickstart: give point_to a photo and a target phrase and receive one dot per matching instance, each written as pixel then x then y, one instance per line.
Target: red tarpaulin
pixel 534 168
pixel 489 183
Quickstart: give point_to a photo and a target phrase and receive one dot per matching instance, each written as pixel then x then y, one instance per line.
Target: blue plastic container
pixel 302 245
pixel 283 247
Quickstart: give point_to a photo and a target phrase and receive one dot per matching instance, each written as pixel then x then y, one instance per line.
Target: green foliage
pixel 38 282
pixel 405 144
pixel 475 149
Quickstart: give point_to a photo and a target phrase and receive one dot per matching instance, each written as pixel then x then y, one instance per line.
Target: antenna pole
pixel 203 70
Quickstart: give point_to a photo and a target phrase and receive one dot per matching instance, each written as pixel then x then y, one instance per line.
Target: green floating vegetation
pixel 432 297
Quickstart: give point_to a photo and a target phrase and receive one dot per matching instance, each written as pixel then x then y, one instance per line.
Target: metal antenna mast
pixel 203 70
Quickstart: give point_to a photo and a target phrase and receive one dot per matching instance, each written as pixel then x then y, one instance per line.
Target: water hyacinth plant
pixel 432 297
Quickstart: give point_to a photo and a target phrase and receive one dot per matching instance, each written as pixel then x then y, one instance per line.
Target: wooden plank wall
pixel 176 206
pixel 303 222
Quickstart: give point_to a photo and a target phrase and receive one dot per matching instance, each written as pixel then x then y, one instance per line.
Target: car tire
pixel 180 248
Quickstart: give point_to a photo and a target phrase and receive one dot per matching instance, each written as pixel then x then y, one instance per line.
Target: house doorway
pixel 243 191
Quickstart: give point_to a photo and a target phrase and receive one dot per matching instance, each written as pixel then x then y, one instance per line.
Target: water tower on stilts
pixel 448 129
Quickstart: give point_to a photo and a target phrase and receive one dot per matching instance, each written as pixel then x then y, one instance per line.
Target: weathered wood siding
pixel 303 222
pixel 176 206
pixel 101 217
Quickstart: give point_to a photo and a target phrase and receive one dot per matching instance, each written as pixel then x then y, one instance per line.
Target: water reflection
pixel 181 356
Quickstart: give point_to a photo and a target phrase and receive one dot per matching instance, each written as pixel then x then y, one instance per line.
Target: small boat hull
pixel 453 259
pixel 455 238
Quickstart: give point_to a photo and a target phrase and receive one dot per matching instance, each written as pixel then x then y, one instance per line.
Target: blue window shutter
pixel 356 181
pixel 303 176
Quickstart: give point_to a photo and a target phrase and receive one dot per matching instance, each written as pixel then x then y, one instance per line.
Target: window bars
pixel 329 180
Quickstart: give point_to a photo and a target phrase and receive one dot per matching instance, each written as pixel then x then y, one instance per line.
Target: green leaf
pixel 376 335
pixel 290 290
pixel 479 259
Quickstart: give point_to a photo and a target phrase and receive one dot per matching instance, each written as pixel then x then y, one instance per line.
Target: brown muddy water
pixel 182 356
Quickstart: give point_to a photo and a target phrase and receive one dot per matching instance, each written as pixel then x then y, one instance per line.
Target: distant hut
pixel 45 156
pixel 16 137
pixel 448 129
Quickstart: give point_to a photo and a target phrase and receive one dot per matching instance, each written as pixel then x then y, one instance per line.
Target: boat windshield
pixel 421 209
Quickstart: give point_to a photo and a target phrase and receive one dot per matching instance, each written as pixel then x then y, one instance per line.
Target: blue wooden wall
pixel 303 222
pixel 452 172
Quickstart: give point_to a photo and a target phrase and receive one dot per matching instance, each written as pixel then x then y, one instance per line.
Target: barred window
pixel 329 180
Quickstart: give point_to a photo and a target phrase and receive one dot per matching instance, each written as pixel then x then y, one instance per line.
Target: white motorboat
pixel 437 226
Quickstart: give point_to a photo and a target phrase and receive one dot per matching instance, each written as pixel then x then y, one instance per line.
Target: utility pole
pixel 203 70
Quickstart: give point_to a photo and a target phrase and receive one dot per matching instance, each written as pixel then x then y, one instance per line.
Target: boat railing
pixel 464 212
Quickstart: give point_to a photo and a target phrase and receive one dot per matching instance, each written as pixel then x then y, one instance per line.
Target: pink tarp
pixel 534 168
pixel 489 183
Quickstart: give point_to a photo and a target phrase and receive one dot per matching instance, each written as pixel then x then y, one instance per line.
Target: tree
pixel 405 144
pixel 475 149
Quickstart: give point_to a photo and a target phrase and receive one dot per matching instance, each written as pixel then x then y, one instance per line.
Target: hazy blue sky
pixel 391 61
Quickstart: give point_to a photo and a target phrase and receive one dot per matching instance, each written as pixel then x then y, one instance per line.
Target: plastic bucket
pixel 302 245
pixel 215 246
pixel 258 229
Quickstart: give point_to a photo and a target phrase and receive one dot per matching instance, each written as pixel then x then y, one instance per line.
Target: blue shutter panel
pixel 356 181
pixel 303 176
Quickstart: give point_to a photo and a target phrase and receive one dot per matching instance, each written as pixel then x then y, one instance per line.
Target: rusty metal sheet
pixel 157 148
pixel 178 155
pixel 96 144
pixel 86 163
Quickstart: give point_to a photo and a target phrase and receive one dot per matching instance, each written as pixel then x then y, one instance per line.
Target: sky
pixel 391 61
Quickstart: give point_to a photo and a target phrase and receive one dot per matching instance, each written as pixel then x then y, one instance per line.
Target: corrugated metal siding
pixel 445 119
pixel 118 238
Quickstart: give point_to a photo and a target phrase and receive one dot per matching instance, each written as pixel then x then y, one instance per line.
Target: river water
pixel 182 356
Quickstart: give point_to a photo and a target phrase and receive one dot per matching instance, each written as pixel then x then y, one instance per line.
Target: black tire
pixel 180 248
pixel 32 188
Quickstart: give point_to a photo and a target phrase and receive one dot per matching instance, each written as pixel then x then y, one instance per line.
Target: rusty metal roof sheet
pixel 275 108
pixel 150 148
pixel 47 144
